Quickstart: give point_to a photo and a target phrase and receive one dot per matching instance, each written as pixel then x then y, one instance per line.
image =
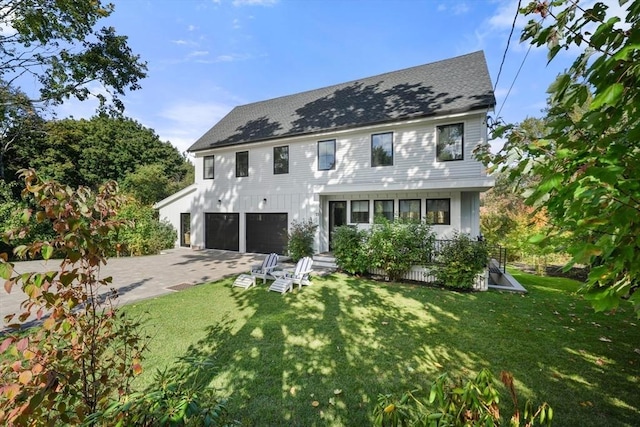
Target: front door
pixel 337 217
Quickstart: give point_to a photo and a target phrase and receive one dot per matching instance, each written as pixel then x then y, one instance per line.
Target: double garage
pixel 264 232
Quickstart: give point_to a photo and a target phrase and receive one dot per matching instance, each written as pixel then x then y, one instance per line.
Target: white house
pixel 398 144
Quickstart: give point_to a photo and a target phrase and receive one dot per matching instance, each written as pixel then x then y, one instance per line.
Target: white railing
pixel 423 274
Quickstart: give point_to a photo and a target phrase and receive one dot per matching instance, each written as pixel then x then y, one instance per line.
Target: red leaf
pixel 22 344
pixel 5 344
pixel 8 285
pixel 25 377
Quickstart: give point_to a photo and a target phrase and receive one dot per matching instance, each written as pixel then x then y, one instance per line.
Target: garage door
pixel 267 233
pixel 221 231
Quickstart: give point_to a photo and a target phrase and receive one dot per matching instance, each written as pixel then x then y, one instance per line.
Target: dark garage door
pixel 267 233
pixel 221 231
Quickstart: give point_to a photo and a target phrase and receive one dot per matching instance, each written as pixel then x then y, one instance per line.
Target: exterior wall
pixel 305 191
pixel 181 202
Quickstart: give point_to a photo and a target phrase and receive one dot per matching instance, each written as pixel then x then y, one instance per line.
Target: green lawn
pixel 274 355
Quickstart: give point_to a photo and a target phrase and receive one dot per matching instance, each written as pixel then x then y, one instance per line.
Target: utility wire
pixel 504 56
pixel 514 81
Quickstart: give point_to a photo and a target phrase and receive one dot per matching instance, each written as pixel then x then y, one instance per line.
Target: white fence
pixel 423 274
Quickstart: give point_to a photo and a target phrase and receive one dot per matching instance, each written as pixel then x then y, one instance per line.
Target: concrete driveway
pixel 138 278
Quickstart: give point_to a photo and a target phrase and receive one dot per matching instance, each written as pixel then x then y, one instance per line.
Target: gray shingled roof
pixel 450 86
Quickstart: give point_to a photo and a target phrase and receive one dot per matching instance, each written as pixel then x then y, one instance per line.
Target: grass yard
pixel 275 355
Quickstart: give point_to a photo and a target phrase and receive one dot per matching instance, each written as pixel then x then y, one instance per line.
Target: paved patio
pixel 138 278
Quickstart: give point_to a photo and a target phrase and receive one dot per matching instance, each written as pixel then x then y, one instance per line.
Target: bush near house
pixel 301 238
pixel 349 249
pixel 459 260
pixel 397 246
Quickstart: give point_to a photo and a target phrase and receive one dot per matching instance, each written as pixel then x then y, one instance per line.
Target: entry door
pixel 337 217
pixel 185 229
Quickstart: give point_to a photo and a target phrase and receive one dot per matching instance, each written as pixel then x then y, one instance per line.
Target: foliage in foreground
pixel 588 161
pixel 85 352
pixel 349 248
pixel 176 397
pixel 458 403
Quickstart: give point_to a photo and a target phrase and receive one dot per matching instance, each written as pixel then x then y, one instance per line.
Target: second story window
pixel 449 144
pixel 280 160
pixel 242 163
pixel 326 155
pixel 409 209
pixel 382 149
pixel 360 211
pixel 208 167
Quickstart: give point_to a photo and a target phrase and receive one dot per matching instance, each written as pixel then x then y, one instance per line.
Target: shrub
pixel 349 248
pixel 458 402
pixel 397 246
pixel 148 236
pixel 179 396
pixel 301 237
pixel 85 351
pixel 459 261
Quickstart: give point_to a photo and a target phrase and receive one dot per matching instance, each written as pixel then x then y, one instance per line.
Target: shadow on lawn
pixel 323 354
pixel 339 346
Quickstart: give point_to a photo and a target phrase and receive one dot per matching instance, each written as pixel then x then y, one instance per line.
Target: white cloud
pixel 180 42
pixel 458 8
pixel 198 53
pixel 254 2
pixel 192 28
pixel 183 123
pixel 236 24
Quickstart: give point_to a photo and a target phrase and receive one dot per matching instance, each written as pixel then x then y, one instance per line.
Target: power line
pixel 504 56
pixel 514 81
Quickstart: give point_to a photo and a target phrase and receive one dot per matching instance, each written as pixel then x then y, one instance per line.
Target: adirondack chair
pixel 300 275
pixel 264 270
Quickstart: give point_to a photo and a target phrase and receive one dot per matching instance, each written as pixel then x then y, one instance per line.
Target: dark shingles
pixel 450 86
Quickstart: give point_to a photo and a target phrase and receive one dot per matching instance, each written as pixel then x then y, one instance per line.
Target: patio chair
pixel 300 275
pixel 264 270
pixel 244 281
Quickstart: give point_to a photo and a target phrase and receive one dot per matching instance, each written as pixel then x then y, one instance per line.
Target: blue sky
pixel 207 56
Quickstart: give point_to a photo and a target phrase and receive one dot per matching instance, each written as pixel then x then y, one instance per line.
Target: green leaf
pixel 6 270
pixel 610 96
pixel 47 251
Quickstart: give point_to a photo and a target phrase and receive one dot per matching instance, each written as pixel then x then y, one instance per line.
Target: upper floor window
pixel 360 211
pixel 382 149
pixel 409 209
pixel 326 155
pixel 281 160
pixel 449 144
pixel 439 211
pixel 242 163
pixel 383 208
pixel 208 167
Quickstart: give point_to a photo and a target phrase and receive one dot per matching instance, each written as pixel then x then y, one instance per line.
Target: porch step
pixel 324 261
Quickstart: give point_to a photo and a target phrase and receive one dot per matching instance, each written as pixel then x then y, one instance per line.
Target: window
pixel 242 163
pixel 208 167
pixel 382 149
pixel 449 144
pixel 383 208
pixel 439 211
pixel 410 209
pixel 360 211
pixel 326 155
pixel 280 160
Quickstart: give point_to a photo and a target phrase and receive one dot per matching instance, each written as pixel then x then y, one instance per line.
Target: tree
pixel 57 44
pixel 589 159
pixel 18 120
pixel 90 152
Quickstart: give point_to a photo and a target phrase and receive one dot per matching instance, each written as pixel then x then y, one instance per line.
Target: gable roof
pixel 450 86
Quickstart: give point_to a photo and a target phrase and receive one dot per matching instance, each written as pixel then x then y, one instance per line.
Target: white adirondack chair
pixel 264 270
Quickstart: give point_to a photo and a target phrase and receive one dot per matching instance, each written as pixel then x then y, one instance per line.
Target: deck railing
pixel 496 252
